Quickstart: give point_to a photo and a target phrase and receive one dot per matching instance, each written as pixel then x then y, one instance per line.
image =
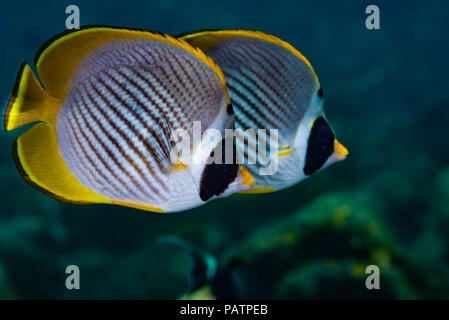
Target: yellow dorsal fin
pixel 204 39
pixel 39 162
pixel 58 58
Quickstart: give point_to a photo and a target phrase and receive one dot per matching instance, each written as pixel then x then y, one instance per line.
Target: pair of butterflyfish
pixel 108 100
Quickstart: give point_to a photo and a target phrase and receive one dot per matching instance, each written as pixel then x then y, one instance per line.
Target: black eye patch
pixel 320 146
pixel 230 109
pixel 216 177
pixel 320 93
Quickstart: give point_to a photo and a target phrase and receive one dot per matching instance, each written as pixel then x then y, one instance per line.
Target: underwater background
pixel 387 204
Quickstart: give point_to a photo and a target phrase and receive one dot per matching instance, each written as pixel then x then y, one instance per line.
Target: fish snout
pixel 340 152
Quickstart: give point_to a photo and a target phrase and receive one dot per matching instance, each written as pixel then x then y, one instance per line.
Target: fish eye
pixel 230 110
pixel 319 146
pixel 320 93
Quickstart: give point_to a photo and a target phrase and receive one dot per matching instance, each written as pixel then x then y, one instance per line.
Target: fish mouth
pixel 247 178
pixel 340 151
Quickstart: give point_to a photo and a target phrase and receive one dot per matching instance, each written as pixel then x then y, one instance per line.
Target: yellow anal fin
pixel 29 102
pixel 138 206
pixel 39 161
pixel 259 190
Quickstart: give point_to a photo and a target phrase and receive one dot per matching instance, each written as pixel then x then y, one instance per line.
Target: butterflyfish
pixel 102 114
pixel 272 86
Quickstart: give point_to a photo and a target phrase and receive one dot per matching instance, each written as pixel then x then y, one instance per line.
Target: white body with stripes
pixel 123 102
pixel 270 88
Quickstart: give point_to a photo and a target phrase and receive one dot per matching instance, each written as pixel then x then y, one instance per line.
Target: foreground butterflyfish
pixel 103 113
pixel 272 86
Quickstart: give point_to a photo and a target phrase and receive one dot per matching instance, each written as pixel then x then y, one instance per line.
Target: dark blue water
pixel 387 96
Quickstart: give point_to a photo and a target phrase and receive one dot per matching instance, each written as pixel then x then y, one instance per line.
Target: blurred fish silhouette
pixel 109 100
pixel 208 278
pixel 273 86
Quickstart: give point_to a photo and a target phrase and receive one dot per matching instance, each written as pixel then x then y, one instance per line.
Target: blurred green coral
pixel 443 192
pixel 333 240
pixel 6 291
pixel 344 279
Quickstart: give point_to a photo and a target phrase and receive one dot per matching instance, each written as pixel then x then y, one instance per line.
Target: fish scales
pixel 120 103
pixel 274 83
pixel 272 87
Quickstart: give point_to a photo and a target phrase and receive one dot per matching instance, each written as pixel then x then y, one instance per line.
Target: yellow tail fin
pixel 36 151
pixel 29 102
